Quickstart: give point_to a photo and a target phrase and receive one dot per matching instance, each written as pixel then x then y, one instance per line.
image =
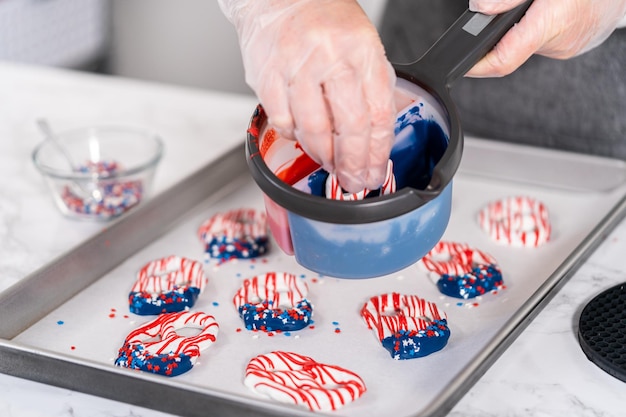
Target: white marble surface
pixel 543 373
pixel 195 126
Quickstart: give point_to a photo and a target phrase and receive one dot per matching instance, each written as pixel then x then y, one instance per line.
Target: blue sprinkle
pixel 287 333
pixel 215 303
pixel 60 322
pixel 335 323
pixel 460 304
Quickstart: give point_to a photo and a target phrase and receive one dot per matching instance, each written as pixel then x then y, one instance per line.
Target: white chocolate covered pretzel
pixel 516 221
pixel 157 347
pixel 289 377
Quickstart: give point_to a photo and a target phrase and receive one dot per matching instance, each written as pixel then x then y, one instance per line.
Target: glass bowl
pixel 99 173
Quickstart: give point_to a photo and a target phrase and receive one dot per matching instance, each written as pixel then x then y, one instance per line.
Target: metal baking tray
pixel 63 324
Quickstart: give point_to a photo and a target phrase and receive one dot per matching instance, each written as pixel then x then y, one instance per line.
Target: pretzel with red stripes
pixel 275 301
pixel 292 378
pixel 516 221
pixel 462 271
pixel 240 233
pixel 157 347
pixel 335 192
pixel 166 285
pixel 406 325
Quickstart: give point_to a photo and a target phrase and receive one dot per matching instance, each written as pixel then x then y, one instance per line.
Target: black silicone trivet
pixel 602 331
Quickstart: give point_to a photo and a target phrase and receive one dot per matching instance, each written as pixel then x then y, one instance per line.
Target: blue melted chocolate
pixel 317 181
pixel 224 248
pixel 416 344
pixel 135 356
pixel 264 317
pixel 419 145
pixel 145 304
pixel 479 281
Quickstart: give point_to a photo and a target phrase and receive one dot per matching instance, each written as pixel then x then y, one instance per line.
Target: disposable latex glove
pixel 319 69
pixel 553 28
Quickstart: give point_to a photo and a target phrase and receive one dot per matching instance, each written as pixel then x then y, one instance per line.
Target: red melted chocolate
pixel 299 168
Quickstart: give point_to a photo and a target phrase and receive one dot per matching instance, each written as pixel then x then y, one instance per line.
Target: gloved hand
pixel 553 28
pixel 319 69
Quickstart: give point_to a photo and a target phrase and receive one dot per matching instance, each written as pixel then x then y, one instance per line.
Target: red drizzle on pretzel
pixel 165 274
pixel 517 221
pixel 274 301
pixel 289 377
pixel 235 224
pixel 453 258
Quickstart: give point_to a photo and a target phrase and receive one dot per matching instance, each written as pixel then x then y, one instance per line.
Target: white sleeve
pixel 231 8
pixel 622 23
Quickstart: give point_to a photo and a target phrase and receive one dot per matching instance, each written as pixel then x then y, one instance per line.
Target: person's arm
pixel 558 29
pixel 319 69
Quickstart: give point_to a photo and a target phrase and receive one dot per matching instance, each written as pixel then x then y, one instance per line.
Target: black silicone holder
pixel 602 331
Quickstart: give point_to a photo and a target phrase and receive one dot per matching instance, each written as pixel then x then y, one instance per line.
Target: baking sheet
pixel 81 335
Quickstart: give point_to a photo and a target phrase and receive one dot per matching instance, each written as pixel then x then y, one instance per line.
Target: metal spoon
pixel 90 190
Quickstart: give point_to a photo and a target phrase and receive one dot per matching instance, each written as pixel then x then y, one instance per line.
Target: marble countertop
pixel 543 373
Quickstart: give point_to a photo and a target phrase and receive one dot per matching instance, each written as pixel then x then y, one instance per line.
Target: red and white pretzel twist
pixel 517 221
pixel 289 377
pixel 335 192
pixel 393 313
